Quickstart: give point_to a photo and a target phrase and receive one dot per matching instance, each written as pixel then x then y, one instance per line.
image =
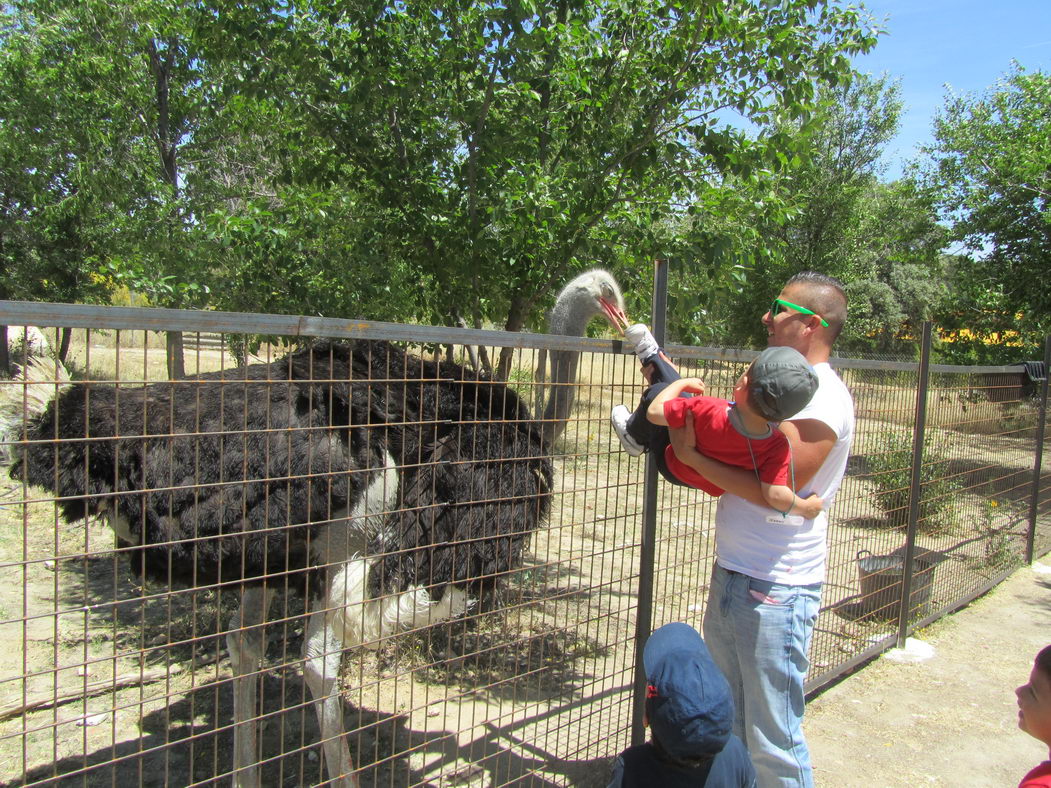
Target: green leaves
pixel 991 167
pixel 460 159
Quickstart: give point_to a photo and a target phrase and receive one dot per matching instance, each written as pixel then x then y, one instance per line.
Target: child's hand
pixel 810 508
pixel 693 385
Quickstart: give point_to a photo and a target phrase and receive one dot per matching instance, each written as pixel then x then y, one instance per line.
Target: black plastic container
pixel 881 577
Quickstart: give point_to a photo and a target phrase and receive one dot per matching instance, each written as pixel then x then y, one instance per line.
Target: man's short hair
pixel 826 296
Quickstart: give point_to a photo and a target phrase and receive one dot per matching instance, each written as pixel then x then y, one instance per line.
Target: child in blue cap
pixel 690 713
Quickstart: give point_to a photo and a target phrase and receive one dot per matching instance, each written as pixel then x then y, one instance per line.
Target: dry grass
pixel 535 681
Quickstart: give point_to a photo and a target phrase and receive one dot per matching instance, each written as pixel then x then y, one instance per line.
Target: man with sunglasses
pixel 766 584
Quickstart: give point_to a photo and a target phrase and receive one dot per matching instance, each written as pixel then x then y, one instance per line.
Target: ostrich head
pixel 593 294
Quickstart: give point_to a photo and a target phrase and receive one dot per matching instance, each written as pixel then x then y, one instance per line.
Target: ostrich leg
pixel 348 619
pixel 322 656
pixel 246 642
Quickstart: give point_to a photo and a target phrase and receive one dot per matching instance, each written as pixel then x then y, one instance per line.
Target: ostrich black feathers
pixel 407 483
pixel 474 476
pixel 227 477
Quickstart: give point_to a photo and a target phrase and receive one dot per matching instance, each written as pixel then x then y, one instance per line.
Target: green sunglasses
pixel 780 302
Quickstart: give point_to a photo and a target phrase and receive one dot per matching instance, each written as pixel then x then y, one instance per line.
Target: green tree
pixel 442 163
pixel 823 208
pixel 494 149
pixel 823 195
pixel 896 278
pixel 123 133
pixel 991 165
pixel 53 162
pixel 979 323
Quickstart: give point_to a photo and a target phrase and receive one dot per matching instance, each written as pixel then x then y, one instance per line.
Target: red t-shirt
pixel 1040 777
pixel 717 438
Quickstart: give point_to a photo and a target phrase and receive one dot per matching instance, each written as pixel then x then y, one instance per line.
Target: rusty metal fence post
pixel 648 548
pixel 1034 494
pixel 915 487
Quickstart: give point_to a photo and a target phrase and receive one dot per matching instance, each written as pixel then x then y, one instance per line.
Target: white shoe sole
pixel 618 417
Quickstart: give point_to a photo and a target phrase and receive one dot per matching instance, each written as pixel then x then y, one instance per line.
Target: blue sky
pixel 966 45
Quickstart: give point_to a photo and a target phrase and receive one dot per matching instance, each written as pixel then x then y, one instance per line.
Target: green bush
pixel 890 468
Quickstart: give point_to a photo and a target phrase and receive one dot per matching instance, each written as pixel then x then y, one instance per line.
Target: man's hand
pixel 684 438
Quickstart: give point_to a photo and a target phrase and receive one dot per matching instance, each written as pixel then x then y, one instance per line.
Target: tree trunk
pixel 515 321
pixel 65 335
pixel 5 356
pixel 176 362
pixel 471 350
pixel 485 364
pixel 162 62
pixel 540 381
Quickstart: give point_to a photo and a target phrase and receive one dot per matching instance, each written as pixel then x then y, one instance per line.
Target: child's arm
pixel 781 498
pixel 655 412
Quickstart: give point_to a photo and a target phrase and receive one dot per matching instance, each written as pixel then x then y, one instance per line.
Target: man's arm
pixel 811 442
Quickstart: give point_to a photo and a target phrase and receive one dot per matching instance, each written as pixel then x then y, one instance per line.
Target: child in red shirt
pixel 1034 715
pixel 777 385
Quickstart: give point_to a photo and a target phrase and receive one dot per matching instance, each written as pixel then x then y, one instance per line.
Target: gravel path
pixel 950 720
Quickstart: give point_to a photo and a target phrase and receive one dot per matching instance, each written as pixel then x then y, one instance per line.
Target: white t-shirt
pixel 758 541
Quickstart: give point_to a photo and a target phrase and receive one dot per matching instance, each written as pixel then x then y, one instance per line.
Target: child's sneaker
pixel 642 339
pixel 619 417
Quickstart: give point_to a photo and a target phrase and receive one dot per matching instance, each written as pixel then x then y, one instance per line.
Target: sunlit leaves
pixel 991 165
pixel 484 151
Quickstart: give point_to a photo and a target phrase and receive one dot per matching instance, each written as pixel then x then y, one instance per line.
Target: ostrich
pixel 385 487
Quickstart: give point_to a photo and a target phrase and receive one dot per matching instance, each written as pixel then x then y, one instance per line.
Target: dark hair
pixel 1043 661
pixel 826 296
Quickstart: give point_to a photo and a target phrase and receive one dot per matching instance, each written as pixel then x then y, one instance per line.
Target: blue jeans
pixel 758 633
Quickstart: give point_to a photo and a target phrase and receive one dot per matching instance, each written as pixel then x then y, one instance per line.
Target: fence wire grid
pixel 117 667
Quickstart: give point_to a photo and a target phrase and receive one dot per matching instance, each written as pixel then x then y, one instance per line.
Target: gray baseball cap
pixel 781 383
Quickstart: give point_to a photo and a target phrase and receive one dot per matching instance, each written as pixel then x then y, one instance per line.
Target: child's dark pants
pixel 654 436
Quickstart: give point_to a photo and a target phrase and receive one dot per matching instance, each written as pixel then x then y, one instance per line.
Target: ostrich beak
pixel 614 314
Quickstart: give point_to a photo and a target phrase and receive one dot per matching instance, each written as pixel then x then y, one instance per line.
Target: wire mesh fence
pixel 322 538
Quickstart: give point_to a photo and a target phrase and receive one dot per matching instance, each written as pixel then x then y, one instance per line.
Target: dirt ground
pixel 555 667
pixel 950 720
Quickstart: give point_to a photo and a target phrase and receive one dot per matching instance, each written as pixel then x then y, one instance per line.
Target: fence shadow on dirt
pixel 532 685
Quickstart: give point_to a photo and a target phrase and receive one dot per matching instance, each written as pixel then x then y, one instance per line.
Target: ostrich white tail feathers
pixel 359 621
pixel 41 381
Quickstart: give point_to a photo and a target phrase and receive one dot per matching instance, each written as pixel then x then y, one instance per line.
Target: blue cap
pixel 688 701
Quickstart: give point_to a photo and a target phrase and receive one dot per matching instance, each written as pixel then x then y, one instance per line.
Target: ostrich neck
pixel 571 318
